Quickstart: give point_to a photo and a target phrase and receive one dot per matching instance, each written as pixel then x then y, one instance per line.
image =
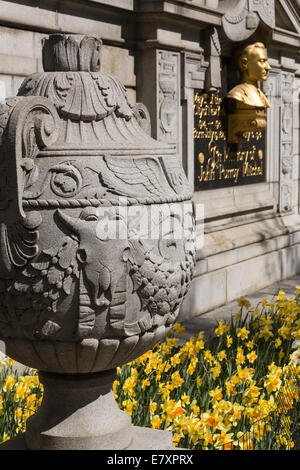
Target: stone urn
pixel 97 242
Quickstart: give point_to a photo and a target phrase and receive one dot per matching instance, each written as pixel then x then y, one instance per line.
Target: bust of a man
pixel 253 65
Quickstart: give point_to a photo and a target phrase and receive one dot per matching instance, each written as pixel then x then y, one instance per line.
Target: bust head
pixel 253 63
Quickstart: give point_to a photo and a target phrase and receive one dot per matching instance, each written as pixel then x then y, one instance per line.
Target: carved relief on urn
pixel 82 289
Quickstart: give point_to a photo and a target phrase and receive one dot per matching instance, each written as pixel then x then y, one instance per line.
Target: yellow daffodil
pixel 129 406
pixel 129 385
pixel 172 342
pixel 10 361
pixel 250 345
pixel 9 383
pixel 242 302
pixel 255 312
pixel 252 356
pixel 145 383
pixel 152 407
pixel 155 422
pixel 179 329
pixel 242 333
pixel 281 295
pixel 199 381
pixel 5 437
pixel 200 344
pixel 194 407
pixel 208 356
pixel 285 332
pixel 229 341
pixel 222 328
pixel 175 360
pixel 240 358
pixel 215 371
pixel 216 394
pixel 265 333
pixel 177 380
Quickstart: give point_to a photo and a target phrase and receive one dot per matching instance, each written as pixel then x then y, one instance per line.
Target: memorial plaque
pixel 219 164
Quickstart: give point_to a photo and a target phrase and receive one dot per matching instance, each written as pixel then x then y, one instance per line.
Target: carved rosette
pixel 97 226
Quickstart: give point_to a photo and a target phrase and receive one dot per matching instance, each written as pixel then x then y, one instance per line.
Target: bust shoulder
pixel 249 95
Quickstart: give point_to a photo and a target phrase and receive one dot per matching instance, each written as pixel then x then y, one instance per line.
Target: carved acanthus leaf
pixel 79 96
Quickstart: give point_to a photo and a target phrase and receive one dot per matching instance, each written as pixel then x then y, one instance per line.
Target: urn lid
pixel 94 108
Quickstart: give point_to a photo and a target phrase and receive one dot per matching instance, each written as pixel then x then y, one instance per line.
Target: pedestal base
pixel 142 439
pixel 79 412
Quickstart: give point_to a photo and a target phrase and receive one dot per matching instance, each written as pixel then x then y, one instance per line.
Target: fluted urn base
pixel 78 412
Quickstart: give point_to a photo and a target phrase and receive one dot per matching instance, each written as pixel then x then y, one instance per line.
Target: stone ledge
pixel 69 21
pixel 258 232
pixel 217 288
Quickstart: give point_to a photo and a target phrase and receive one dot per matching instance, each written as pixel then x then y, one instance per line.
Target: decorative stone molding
pixel 195 68
pixel 286 147
pixel 243 17
pixel 168 76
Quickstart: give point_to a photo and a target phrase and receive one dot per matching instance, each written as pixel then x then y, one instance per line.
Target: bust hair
pixel 246 53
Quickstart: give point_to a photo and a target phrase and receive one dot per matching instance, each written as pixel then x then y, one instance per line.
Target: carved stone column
pixel 279 90
pixel 159 85
pixel 194 78
pixel 286 143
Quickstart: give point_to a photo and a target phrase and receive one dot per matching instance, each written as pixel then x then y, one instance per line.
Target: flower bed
pixel 237 389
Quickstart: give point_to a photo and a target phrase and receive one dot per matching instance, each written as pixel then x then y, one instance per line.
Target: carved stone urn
pixel 97 242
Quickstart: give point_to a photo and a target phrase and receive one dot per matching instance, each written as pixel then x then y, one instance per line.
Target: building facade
pixel 176 57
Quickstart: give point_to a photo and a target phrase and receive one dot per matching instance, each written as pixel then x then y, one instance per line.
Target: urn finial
pixel 71 53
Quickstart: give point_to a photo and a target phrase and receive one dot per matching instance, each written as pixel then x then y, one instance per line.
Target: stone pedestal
pixel 79 412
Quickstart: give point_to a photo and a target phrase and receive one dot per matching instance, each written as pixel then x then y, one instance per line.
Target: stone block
pixel 16 65
pixel 221 260
pixel 17 42
pixel 120 63
pixel 253 274
pixel 201 267
pixel 207 292
pixel 288 262
pixel 5 84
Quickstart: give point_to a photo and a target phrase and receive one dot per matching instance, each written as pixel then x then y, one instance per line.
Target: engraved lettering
pixel 217 164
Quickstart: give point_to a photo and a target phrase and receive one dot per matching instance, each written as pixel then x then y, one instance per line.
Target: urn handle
pixel 31 127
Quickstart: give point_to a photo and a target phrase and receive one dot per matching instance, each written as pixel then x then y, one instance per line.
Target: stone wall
pixel 24 24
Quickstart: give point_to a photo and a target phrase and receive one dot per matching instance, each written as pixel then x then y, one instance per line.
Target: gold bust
pixel 250 101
